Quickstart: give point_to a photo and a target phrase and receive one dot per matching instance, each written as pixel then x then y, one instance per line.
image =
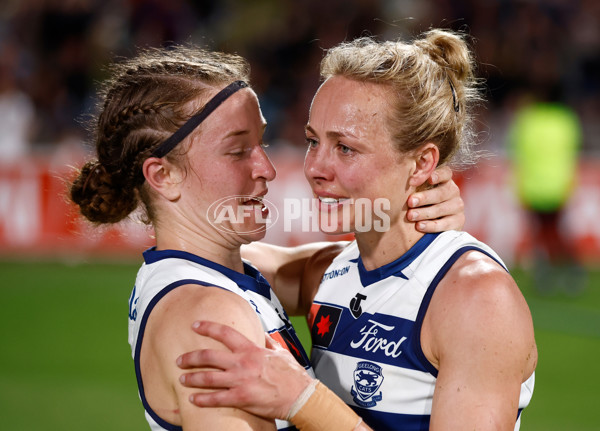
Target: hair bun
pixel 98 198
pixel 448 49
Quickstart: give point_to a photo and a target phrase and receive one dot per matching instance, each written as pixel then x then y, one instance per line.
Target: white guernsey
pixel 366 326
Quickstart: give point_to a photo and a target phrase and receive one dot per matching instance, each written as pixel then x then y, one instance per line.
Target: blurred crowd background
pixel 53 53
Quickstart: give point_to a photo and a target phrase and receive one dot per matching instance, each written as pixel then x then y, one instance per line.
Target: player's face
pixel 229 171
pixel 350 156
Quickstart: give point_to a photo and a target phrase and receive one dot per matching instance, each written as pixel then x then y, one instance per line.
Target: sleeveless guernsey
pixel 166 270
pixel 366 325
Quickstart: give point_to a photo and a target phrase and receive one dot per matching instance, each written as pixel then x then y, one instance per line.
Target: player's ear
pixel 164 177
pixel 426 159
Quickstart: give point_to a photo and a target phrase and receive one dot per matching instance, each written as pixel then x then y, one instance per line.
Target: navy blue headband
pixel 166 147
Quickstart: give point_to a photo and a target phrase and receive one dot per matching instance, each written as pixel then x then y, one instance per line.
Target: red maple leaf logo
pixel 324 325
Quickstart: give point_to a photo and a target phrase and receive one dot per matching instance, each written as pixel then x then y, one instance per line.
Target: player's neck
pixel 214 249
pixel 380 248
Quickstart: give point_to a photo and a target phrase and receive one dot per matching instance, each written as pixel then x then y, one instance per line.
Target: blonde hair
pixel 433 88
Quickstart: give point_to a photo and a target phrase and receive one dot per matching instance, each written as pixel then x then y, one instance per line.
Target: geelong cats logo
pixel 367 380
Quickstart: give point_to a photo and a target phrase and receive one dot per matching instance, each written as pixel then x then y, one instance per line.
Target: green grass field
pixel 65 363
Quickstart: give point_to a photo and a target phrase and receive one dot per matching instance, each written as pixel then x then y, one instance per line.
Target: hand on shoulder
pixel 169 334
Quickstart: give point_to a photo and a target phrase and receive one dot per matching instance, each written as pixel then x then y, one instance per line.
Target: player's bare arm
pixel 255 378
pixel 283 267
pixel 478 333
pixel 267 382
pixel 313 273
pixel 167 336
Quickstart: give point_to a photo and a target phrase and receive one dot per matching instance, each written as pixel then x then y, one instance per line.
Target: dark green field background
pixel 65 363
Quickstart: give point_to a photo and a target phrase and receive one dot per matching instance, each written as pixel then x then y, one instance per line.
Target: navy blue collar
pixel 396 267
pixel 251 279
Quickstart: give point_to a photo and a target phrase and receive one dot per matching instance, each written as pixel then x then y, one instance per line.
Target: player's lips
pixel 330 198
pixel 328 201
pixel 256 202
pixel 252 200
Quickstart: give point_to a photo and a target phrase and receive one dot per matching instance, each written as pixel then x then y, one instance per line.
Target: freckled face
pixel 227 159
pixel 350 154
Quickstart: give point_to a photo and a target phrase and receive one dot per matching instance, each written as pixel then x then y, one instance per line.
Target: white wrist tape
pixel 302 399
pixel 319 409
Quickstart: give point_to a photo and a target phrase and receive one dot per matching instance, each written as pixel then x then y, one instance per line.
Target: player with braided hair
pixel 179 130
pixel 152 149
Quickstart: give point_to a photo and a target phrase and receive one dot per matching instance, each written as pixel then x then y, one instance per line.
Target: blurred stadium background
pixel 65 362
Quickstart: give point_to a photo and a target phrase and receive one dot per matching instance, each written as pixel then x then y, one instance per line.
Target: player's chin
pixel 336 228
pixel 253 233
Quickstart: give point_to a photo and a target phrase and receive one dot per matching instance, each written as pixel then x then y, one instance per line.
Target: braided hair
pixel 144 102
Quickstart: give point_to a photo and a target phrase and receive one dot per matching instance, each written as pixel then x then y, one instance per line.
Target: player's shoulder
pixel 477 277
pixel 478 294
pixel 188 303
pixel 479 305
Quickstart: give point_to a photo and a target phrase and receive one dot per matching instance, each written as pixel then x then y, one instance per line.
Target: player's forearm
pixel 319 409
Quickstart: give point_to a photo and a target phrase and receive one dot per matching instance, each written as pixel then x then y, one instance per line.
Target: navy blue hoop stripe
pixel 166 147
